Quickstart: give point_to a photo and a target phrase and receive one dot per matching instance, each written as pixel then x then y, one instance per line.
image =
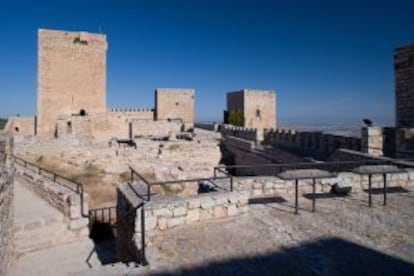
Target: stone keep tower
pixel 404 86
pixel 258 107
pixel 71 76
pixel 175 103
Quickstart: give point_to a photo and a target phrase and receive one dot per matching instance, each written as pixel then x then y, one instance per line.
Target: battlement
pixel 132 110
pixel 317 144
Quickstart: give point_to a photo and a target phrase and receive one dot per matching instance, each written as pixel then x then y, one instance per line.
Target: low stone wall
pixel 174 212
pixel 6 209
pixel 168 213
pixel 63 199
pixel 207 126
pixel 269 186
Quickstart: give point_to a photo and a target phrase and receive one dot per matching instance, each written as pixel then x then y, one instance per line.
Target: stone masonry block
pixel 207 203
pixel 232 210
pixel 173 222
pixel 78 223
pixel 179 211
pixel 164 212
pixel 219 211
pixel 150 223
pixel 193 215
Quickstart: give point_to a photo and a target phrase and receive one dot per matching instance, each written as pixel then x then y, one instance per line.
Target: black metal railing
pixel 275 169
pixel 148 184
pixel 106 215
pixel 55 178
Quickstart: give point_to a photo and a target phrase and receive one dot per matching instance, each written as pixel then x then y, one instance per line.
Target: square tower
pixel 258 107
pixel 175 103
pixel 404 86
pixel 71 76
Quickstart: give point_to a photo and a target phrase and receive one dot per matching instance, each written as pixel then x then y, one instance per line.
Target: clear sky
pixel 327 60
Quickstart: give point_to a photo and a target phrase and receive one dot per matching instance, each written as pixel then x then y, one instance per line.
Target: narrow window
pixel 258 114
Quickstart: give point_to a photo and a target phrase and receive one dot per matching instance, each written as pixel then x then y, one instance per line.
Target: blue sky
pixel 327 60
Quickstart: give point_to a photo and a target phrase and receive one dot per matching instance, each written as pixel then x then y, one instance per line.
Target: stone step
pixel 45 236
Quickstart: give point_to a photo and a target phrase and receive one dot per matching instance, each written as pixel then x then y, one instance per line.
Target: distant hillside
pixel 2 123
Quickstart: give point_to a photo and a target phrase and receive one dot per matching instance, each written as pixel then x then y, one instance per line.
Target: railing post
pixel 148 191
pixel 215 176
pixel 231 183
pixel 143 257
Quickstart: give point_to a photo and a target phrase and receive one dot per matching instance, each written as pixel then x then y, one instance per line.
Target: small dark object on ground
pixel 129 142
pixel 205 187
pixel 340 189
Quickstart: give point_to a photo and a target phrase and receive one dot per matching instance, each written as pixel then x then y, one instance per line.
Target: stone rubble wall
pixel 175 212
pixel 269 186
pixel 63 199
pixel 6 209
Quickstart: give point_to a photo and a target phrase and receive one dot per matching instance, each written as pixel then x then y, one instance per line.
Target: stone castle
pixel 184 179
pixel 71 95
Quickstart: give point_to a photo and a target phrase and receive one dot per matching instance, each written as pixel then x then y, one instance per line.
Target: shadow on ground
pixel 104 242
pixel 332 256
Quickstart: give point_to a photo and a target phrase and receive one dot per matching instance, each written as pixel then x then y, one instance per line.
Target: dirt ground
pixel 343 237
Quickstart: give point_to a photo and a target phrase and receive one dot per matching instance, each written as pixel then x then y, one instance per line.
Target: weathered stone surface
pixel 192 215
pixel 162 212
pixel 78 223
pixel 219 211
pixel 179 211
pixel 150 223
pixel 232 210
pixel 173 222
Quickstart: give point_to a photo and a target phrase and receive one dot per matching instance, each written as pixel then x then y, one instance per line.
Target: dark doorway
pixel 82 112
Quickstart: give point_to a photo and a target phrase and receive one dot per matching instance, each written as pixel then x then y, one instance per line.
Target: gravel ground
pixel 343 237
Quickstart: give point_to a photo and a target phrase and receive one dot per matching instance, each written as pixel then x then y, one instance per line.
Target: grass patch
pixel 173 147
pixel 125 176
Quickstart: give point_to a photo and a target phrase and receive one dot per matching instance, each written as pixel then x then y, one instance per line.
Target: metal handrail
pixel 79 187
pixel 335 166
pixel 170 182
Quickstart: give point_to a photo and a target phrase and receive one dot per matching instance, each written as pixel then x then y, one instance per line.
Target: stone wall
pixel 251 134
pixel 174 212
pixel 175 103
pixel 208 126
pixel 316 144
pixel 104 126
pixel 71 76
pixel 372 140
pixel 262 186
pixel 404 86
pixel 66 200
pixel 20 126
pixel 158 128
pixel 166 214
pixel 6 207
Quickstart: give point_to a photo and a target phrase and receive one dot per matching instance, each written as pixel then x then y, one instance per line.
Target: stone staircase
pixel 38 225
